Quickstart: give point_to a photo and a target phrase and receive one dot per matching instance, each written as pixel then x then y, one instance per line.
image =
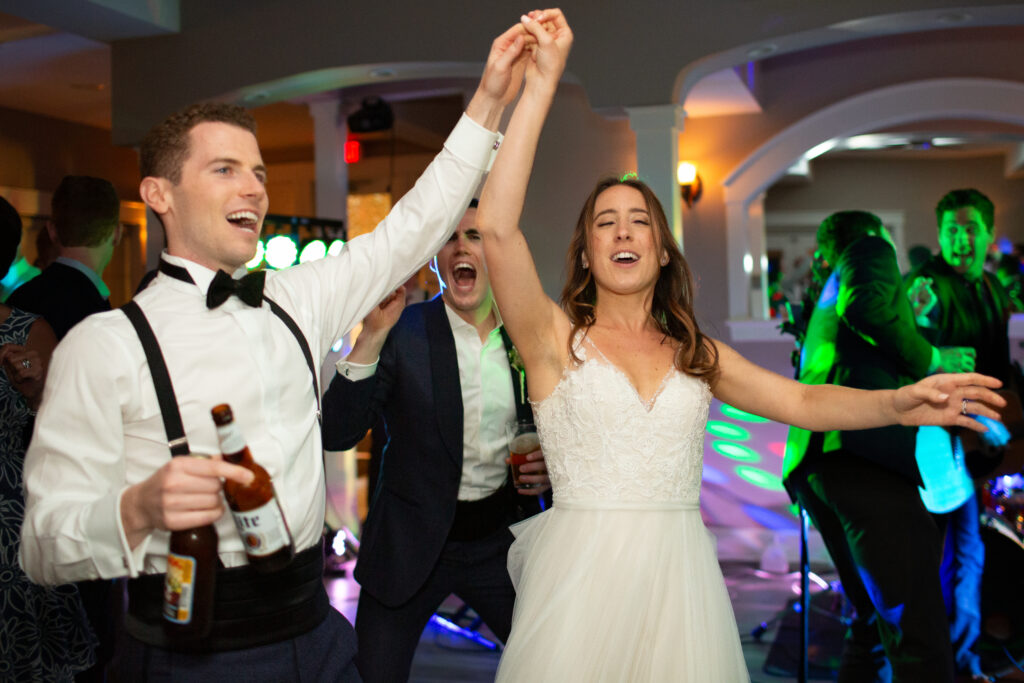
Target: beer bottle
pixel 188 586
pixel 258 516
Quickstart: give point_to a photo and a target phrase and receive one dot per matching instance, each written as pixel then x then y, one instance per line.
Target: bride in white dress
pixel 618 581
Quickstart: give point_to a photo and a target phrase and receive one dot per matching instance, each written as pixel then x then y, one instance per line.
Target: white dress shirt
pixel 488 404
pixel 485 412
pixel 99 428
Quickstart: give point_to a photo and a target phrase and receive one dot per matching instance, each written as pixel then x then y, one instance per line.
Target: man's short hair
pixel 966 198
pixel 10 235
pixel 85 211
pixel 166 145
pixel 842 229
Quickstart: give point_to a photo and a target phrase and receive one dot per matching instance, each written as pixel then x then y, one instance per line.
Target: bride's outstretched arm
pixel 937 400
pixel 529 315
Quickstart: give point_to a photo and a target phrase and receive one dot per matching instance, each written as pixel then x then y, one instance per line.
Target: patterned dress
pixel 44 635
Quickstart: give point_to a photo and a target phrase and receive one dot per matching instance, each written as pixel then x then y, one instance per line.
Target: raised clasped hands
pixel 550 51
pixel 949 400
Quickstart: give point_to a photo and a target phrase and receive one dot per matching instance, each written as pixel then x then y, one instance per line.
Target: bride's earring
pixel 664 259
pixel 584 262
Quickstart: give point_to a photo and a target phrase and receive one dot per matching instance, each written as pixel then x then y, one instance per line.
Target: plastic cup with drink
pixel 522 440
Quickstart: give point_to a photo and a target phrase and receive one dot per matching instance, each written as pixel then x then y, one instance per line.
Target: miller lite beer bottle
pixel 258 516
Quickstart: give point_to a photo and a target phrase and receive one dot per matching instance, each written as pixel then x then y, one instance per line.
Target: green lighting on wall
pixel 736 451
pixel 742 416
pixel 759 477
pixel 335 248
pixel 727 430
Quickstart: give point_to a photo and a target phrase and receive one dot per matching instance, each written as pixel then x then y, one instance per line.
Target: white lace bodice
pixel 602 443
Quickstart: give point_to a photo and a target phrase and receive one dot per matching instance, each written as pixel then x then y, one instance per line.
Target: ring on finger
pixel 963 407
pixel 26 363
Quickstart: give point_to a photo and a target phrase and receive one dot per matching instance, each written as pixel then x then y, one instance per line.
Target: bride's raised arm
pixel 531 318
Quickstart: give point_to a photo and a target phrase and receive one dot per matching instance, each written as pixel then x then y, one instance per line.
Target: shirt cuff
pixel 473 143
pixel 131 561
pixel 936 359
pixel 356 371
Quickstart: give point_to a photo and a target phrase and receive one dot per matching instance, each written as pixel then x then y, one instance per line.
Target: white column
pixel 657 155
pixel 329 133
pixel 746 259
pixel 758 249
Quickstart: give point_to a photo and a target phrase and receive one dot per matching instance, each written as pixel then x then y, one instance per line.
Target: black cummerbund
pixel 249 608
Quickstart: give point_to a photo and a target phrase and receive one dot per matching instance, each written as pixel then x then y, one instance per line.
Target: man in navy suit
pixel 439 515
pixel 85 226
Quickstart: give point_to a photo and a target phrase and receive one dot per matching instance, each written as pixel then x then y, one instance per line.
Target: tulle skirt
pixel 619 592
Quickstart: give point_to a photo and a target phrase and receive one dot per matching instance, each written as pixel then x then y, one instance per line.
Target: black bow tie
pixel 248 288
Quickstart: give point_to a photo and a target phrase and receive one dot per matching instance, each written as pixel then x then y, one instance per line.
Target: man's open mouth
pixel 244 219
pixel 463 275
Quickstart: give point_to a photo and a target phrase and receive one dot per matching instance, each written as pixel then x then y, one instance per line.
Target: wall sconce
pixel 690 184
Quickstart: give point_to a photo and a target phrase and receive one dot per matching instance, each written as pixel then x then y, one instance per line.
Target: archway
pixel 959 98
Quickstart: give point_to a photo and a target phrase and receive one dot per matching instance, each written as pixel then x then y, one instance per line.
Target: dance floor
pixel 762 602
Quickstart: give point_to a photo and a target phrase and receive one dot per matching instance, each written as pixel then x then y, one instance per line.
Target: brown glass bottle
pixel 258 516
pixel 188 586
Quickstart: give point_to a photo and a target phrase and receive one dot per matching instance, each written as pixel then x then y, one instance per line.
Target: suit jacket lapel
pixel 444 370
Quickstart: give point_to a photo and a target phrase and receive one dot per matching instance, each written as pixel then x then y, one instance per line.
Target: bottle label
pixel 263 530
pixel 179 588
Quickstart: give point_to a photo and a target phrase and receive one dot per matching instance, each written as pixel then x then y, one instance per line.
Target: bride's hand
pixel 554 40
pixel 947 400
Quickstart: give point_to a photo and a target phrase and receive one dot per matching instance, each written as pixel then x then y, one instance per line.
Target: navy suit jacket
pixel 416 390
pixel 62 295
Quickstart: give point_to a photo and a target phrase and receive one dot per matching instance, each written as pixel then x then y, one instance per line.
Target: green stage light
pixel 335 248
pixel 727 430
pixel 736 451
pixel 759 477
pixel 258 258
pixel 742 416
pixel 313 251
pixel 281 251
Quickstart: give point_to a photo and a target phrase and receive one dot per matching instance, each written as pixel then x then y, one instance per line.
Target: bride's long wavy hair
pixel 672 304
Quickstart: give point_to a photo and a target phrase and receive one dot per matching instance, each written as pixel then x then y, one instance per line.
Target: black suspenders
pixel 176 440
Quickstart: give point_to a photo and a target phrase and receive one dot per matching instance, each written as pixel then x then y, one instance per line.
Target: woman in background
pixel 44 635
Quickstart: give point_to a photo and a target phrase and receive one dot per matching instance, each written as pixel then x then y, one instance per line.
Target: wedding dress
pixel 619 581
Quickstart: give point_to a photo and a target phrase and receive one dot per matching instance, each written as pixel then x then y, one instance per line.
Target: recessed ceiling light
pixel 762 51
